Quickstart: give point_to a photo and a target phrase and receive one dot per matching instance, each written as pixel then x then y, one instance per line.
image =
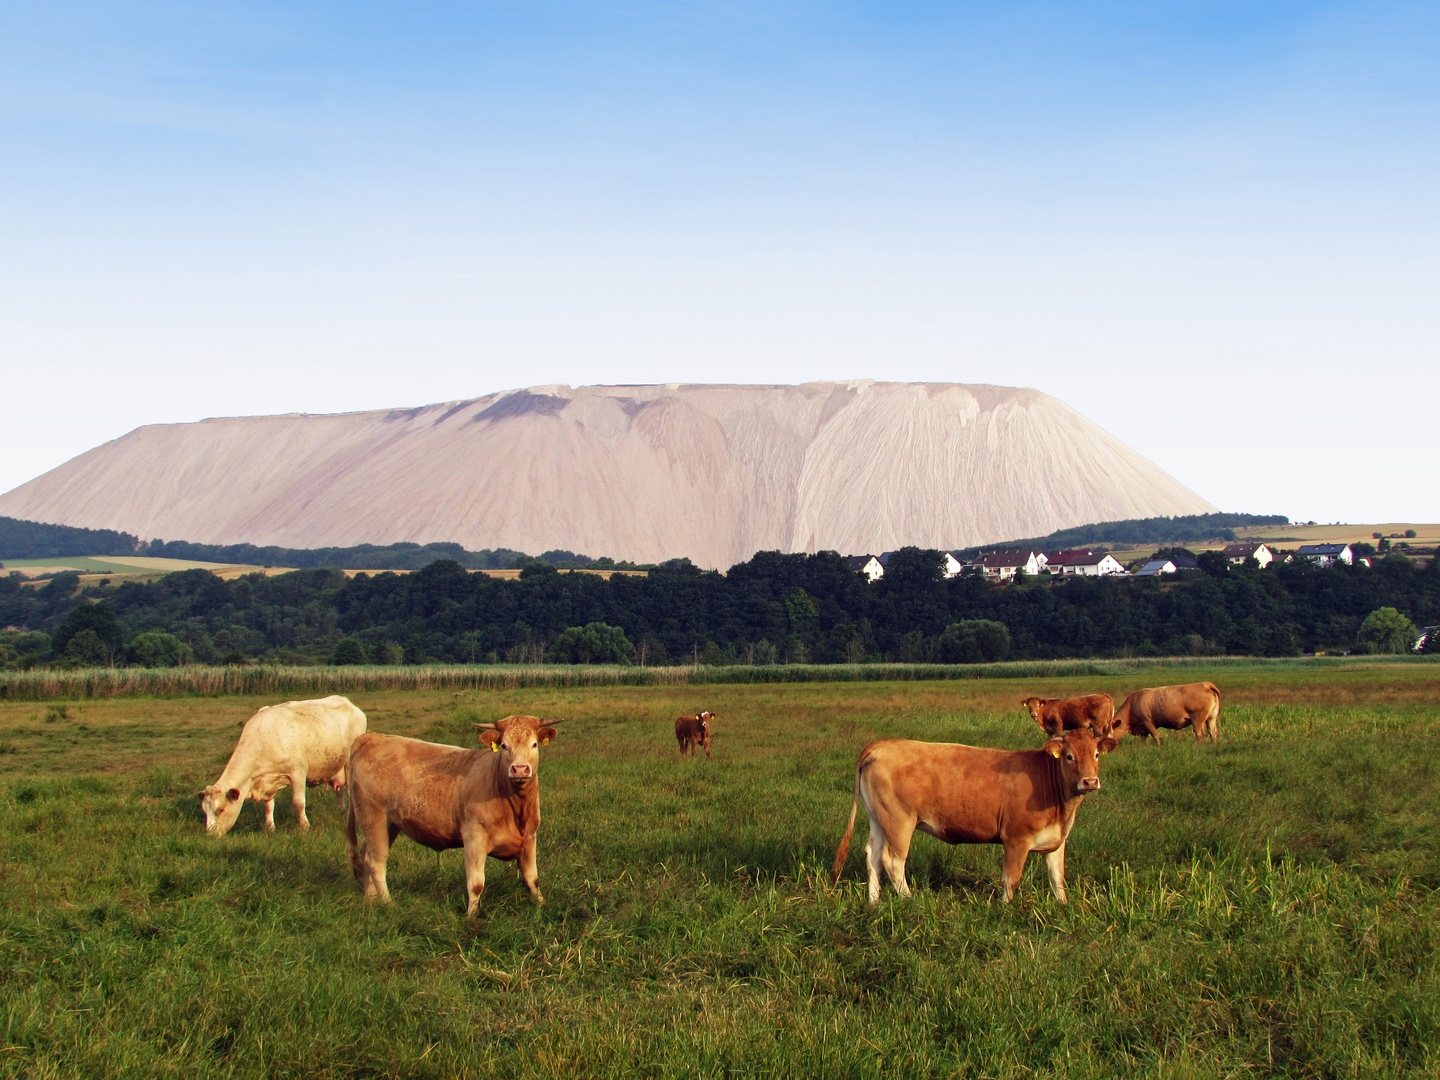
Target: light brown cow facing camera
pixel 1059 715
pixel 693 733
pixel 1025 800
pixel 486 801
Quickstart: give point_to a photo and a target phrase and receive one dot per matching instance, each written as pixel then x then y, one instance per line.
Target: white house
pixel 868 565
pixel 953 565
pixel 1238 553
pixel 1325 554
pixel 1084 562
pixel 1005 564
pixel 1156 567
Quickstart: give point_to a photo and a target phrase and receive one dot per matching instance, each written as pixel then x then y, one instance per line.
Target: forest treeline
pixel 1187 529
pixel 775 607
pixel 20 539
pixel 398 556
pixel 36 540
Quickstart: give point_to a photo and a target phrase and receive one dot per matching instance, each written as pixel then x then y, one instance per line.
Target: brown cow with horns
pixel 486 801
pixel 1025 800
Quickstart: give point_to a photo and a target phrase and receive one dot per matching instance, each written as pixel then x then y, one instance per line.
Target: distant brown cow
pixel 486 801
pixel 1059 715
pixel 1175 707
pixel 1023 799
pixel 693 732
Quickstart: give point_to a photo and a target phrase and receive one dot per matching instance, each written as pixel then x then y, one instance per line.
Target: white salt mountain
pixel 714 473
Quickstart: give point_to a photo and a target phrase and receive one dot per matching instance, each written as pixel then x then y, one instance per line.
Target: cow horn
pixel 552 723
pixel 485 727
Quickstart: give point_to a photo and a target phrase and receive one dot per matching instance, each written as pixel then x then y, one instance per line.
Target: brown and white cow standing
pixel 1025 800
pixel 693 732
pixel 486 801
pixel 1059 715
pixel 295 743
pixel 1146 711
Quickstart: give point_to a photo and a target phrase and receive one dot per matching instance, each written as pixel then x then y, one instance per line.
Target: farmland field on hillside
pixel 1265 907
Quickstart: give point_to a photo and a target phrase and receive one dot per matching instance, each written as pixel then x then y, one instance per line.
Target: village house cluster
pixel 1085 562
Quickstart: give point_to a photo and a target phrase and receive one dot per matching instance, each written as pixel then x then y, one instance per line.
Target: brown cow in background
pixel 693 732
pixel 1023 799
pixel 1146 711
pixel 1059 715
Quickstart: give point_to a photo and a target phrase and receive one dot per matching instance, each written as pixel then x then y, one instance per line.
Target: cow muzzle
pixel 521 772
pixel 1089 783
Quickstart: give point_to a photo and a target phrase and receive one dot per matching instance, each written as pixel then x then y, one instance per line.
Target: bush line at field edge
pixel 317 681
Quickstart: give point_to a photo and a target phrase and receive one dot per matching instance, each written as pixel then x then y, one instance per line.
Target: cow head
pixel 705 718
pixel 1078 754
pixel 221 807
pixel 1032 706
pixel 517 739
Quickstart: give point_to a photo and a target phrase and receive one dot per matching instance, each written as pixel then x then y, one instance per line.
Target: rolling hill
pixel 710 472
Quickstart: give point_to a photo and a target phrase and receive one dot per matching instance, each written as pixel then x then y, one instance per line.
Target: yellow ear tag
pixel 544 742
pixel 494 749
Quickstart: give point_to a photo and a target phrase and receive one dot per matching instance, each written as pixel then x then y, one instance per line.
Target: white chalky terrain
pixel 714 473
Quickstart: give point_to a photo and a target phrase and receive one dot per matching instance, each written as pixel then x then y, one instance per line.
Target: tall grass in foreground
pixel 202 681
pixel 1266 907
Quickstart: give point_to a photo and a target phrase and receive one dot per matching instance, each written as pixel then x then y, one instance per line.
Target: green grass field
pixel 1264 908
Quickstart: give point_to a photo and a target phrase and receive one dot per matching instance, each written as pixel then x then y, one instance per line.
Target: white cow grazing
pixel 296 743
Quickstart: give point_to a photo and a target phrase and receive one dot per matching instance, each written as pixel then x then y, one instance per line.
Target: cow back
pixel 314 736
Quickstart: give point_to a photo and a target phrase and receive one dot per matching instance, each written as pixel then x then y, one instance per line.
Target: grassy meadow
pixel 1266 907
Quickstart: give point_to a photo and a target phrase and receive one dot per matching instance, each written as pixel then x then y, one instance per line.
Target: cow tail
pixel 844 848
pixel 1215 714
pixel 352 845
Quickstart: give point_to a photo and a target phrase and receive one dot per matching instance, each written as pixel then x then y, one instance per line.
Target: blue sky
pixel 1211 228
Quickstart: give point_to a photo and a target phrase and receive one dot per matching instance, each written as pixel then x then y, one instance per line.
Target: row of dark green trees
pixel 773 608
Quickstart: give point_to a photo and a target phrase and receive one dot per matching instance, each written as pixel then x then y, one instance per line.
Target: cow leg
pixel 1015 855
pixel 477 848
pixel 874 846
pixel 1152 731
pixel 897 850
pixel 297 798
pixel 529 872
pixel 269 815
pixel 377 854
pixel 1055 863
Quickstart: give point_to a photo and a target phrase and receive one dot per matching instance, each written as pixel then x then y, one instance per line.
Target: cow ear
pixel 490 738
pixel 233 794
pixel 1105 745
pixel 546 734
pixel 1055 747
